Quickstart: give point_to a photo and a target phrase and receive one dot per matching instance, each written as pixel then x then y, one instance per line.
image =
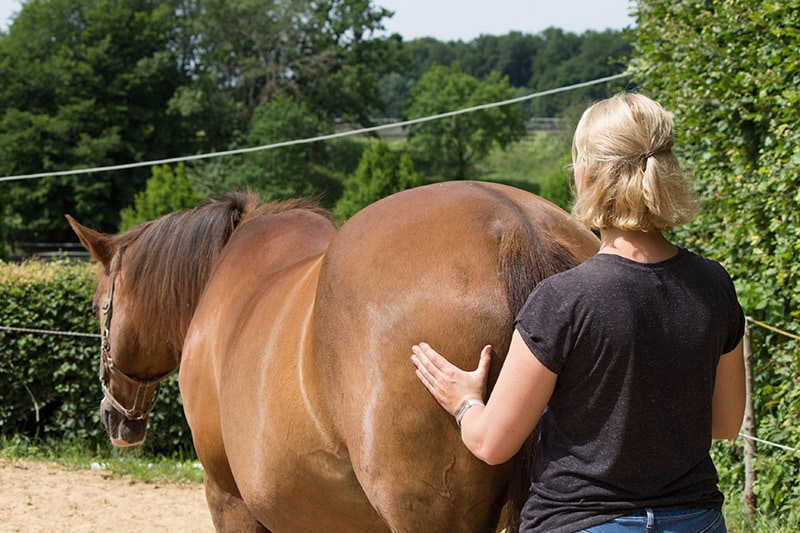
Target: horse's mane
pixel 170 259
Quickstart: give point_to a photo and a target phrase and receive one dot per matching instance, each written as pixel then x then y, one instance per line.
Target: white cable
pixel 48 332
pixel 768 443
pixel 311 139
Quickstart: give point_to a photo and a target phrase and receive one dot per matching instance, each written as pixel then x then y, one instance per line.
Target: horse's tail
pixel 527 256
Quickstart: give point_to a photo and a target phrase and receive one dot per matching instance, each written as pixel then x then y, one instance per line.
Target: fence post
pixel 749 430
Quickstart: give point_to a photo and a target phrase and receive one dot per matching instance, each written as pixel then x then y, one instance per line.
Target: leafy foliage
pixel 84 84
pixel 93 83
pixel 3 247
pixel 451 146
pixel 566 59
pixel 730 72
pixel 287 171
pixel 380 173
pixel 324 53
pixel 531 63
pixel 48 381
pixel 166 191
pixel 556 186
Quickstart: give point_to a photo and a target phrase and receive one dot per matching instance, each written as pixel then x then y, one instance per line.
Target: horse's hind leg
pixel 229 512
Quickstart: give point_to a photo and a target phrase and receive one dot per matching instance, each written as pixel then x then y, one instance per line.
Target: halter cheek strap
pixel 146 390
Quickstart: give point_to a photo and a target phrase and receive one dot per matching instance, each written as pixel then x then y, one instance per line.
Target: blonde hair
pixel 631 179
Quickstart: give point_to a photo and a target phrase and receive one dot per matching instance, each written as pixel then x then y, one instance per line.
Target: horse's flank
pixel 450 264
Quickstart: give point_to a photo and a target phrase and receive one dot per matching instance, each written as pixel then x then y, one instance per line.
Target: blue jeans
pixel 675 520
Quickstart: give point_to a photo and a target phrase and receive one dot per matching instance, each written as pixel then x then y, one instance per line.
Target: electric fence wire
pixel 314 139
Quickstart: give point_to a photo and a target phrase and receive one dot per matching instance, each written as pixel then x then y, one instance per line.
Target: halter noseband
pixel 147 390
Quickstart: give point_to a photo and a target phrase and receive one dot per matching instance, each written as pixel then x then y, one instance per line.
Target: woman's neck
pixel 639 246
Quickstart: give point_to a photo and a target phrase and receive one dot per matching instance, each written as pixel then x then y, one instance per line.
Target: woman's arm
pixel 496 432
pixel 727 405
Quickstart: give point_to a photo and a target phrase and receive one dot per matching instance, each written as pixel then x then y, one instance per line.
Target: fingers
pixel 425 368
pixel 440 368
pixel 429 356
pixel 435 392
pixel 486 360
pixel 448 384
pixel 429 374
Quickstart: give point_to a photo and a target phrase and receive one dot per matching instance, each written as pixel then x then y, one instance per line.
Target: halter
pixel 147 390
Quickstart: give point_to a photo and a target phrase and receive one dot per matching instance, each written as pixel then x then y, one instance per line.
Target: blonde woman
pixel 629 363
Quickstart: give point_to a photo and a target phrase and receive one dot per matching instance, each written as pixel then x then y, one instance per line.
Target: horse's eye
pixel 95 308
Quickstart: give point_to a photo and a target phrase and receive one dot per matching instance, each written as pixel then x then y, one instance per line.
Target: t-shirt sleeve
pixel 544 327
pixel 738 321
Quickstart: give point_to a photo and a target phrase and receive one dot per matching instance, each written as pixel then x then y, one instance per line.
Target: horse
pixel 293 338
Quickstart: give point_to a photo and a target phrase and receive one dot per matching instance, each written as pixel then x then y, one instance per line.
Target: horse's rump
pixel 450 264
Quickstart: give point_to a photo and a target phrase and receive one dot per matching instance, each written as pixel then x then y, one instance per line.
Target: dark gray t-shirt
pixel 628 426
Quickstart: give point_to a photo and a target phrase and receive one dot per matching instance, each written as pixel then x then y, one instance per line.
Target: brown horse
pixel 293 340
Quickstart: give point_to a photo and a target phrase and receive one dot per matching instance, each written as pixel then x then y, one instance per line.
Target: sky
pixel 451 20
pixel 7 8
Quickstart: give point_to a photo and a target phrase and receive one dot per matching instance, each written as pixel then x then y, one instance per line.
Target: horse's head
pixel 132 362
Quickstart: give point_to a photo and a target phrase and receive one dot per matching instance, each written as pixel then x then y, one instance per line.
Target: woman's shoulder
pixel 705 265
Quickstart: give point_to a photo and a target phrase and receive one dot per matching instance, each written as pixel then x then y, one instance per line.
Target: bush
pixel 380 173
pixel 49 382
pixel 729 71
pixel 166 191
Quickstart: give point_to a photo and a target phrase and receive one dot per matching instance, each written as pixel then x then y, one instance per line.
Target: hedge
pixel 49 382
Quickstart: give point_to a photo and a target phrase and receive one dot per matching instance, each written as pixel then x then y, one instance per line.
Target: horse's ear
pixel 98 244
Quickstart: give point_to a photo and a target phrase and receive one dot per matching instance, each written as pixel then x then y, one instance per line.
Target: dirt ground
pixel 38 497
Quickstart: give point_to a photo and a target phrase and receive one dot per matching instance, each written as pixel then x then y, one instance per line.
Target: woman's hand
pixel 497 431
pixel 448 384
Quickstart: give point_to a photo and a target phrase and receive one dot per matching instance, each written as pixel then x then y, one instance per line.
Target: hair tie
pixel 648 155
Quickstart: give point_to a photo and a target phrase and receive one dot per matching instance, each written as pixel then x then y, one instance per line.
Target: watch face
pixel 463 409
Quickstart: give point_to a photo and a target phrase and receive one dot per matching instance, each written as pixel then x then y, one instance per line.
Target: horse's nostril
pixel 133 431
pixel 121 431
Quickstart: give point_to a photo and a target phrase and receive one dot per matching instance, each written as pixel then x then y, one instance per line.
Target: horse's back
pixel 449 264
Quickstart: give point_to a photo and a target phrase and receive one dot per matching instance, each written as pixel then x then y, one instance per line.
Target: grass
pixel 75 454
pixel 737 522
pixel 527 163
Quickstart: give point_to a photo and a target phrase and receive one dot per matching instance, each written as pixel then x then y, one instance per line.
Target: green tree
pixel 511 55
pixel 394 91
pixel 567 59
pixel 547 60
pixel 85 83
pixel 450 147
pixel 422 54
pixel 3 246
pixel 379 174
pixel 287 171
pixel 166 191
pixel 556 186
pixel 324 53
pixel 730 72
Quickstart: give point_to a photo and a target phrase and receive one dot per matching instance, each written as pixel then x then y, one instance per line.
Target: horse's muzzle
pixel 122 431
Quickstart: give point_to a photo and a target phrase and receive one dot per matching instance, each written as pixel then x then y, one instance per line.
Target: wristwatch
pixel 462 409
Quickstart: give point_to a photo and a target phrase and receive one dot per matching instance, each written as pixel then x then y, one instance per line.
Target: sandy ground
pixel 38 497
